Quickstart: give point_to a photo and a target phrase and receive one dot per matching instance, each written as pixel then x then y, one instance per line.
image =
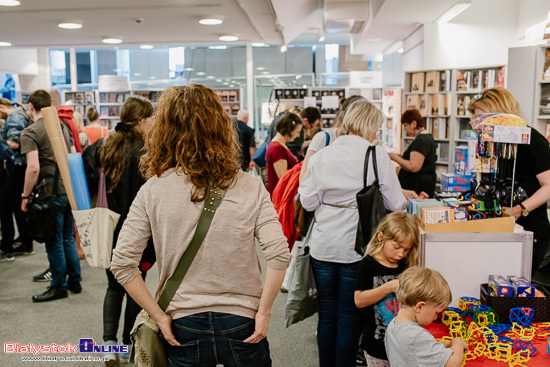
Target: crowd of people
pixel 167 170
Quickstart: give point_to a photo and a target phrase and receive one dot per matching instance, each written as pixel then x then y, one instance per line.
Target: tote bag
pixel 370 205
pixel 302 299
pixel 96 228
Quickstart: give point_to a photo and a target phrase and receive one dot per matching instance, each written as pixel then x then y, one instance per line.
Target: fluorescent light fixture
pixel 70 24
pixel 260 68
pixel 218 80
pixel 217 47
pixel 146 47
pixel 265 72
pixel 228 38
pixel 453 11
pixel 5 44
pixel 188 69
pixel 284 47
pixel 210 21
pixel 321 36
pixel 201 73
pixel 225 83
pixel 210 77
pixel 258 44
pixel 232 86
pixel 111 40
pixel 9 3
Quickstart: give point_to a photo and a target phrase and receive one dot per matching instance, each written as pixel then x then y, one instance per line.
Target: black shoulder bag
pixel 41 213
pixel 370 205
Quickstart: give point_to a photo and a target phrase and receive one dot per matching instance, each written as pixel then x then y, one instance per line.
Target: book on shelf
pixel 413 102
pixel 443 128
pixel 484 79
pixel 462 81
pixel 475 80
pixel 417 82
pixel 424 105
pixel 89 97
pixel 377 94
pixel 446 104
pixel 462 105
pixel 546 71
pixel 113 111
pixel 112 97
pixel 445 81
pixel 103 98
pixel 435 104
pixel 104 111
pixel 544 103
pixel 431 82
pixel 79 97
pixel 435 128
pixel 500 73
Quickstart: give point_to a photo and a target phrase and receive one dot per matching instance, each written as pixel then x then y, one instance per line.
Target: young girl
pixel 391 250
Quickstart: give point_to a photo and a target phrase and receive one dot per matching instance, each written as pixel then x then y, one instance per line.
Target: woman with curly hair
pixel 220 312
pixel 119 157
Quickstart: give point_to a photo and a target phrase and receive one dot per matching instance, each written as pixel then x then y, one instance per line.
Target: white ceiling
pixel 175 22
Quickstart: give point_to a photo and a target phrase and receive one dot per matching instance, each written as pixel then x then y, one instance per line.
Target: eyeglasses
pixel 479 96
pixel 379 132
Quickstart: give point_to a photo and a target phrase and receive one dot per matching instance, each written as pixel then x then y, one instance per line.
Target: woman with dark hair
pixel 418 162
pixel 220 311
pixel 279 158
pixel 119 156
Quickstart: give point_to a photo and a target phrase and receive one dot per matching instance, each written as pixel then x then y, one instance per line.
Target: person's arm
pixel 281 166
pixel 308 190
pixel 371 296
pixel 414 164
pixel 272 285
pixel 31 175
pixel 540 197
pixel 303 170
pixel 390 188
pixel 13 145
pixel 458 346
pixel 252 164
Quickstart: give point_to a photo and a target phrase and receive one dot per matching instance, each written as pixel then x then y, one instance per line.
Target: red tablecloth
pixel 540 359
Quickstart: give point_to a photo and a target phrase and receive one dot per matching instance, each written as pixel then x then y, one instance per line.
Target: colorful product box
pixel 500 287
pixel 454 182
pixel 461 161
pixel 522 287
pixel 416 205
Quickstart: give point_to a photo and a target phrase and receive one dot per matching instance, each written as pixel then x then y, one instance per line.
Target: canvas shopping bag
pixel 302 299
pixel 148 343
pixel 96 228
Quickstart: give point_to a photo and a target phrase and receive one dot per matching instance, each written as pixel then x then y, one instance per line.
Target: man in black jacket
pixel 246 141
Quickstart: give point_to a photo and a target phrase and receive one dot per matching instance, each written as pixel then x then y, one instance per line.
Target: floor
pixel 80 316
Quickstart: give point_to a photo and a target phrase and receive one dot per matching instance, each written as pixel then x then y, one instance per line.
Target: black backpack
pixel 7 163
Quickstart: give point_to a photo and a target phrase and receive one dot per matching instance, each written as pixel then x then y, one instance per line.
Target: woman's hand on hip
pixel 260 329
pixel 165 325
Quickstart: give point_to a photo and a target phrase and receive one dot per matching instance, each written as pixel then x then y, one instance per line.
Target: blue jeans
pixel 339 328
pixel 212 338
pixel 62 255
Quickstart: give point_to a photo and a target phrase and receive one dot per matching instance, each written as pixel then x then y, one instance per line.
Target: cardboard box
pixel 492 225
pixel 522 287
pixel 500 287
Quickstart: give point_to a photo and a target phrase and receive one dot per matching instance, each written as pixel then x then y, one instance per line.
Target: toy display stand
pixel 467 259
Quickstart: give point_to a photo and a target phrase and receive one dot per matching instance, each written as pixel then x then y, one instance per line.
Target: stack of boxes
pixel 463 167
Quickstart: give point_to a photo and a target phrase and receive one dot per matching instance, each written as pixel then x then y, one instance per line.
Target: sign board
pixel 112 83
pixel 310 102
pixel 365 79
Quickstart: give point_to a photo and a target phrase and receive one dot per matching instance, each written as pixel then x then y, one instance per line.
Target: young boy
pixel 423 293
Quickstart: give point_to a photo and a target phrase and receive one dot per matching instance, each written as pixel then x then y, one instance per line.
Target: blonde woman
pixel 333 178
pixel 532 174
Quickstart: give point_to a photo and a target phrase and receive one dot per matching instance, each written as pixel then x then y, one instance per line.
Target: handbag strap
pixel 102 188
pixel 211 203
pixel 370 149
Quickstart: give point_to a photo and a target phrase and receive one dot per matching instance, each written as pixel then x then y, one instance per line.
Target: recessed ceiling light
pixel 188 69
pixel 209 77
pixel 5 44
pixel 111 40
pixel 260 68
pixel 228 38
pixel 70 24
pixel 218 80
pixel 284 48
pixel 146 47
pixel 265 72
pixel 9 3
pixel 210 21
pixel 201 73
pixel 258 44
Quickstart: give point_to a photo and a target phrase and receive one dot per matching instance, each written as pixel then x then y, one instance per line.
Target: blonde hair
pixel 399 227
pixel 419 284
pixel 495 100
pixel 362 118
pixel 77 117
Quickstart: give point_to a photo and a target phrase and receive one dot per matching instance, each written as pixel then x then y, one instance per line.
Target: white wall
pixel 19 61
pixel 530 12
pixel 413 51
pixel 42 78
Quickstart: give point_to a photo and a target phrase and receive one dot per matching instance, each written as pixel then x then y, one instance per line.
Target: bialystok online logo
pixel 84 346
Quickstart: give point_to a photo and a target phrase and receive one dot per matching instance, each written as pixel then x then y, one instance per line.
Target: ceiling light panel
pixel 70 24
pixel 210 21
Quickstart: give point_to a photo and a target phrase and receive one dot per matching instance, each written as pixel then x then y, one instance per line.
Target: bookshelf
pixel 529 82
pixel 328 114
pixel 81 101
pixel 430 91
pixel 231 99
pixel 109 107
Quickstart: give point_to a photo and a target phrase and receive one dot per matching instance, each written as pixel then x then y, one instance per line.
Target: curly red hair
pixel 193 134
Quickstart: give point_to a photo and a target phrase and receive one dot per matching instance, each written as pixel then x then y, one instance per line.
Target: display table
pixel 540 359
pixel 467 259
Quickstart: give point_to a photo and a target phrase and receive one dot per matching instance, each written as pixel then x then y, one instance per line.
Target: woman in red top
pixel 279 158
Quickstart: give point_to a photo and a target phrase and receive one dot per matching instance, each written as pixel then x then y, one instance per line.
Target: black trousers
pixel 112 309
pixel 10 206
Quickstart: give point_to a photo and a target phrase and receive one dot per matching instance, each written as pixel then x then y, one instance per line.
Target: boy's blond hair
pixel 399 227
pixel 419 284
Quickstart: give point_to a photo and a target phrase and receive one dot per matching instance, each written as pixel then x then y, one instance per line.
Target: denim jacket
pixel 11 130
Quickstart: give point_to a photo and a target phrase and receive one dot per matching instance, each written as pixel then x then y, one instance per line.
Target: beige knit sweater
pixel 225 275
